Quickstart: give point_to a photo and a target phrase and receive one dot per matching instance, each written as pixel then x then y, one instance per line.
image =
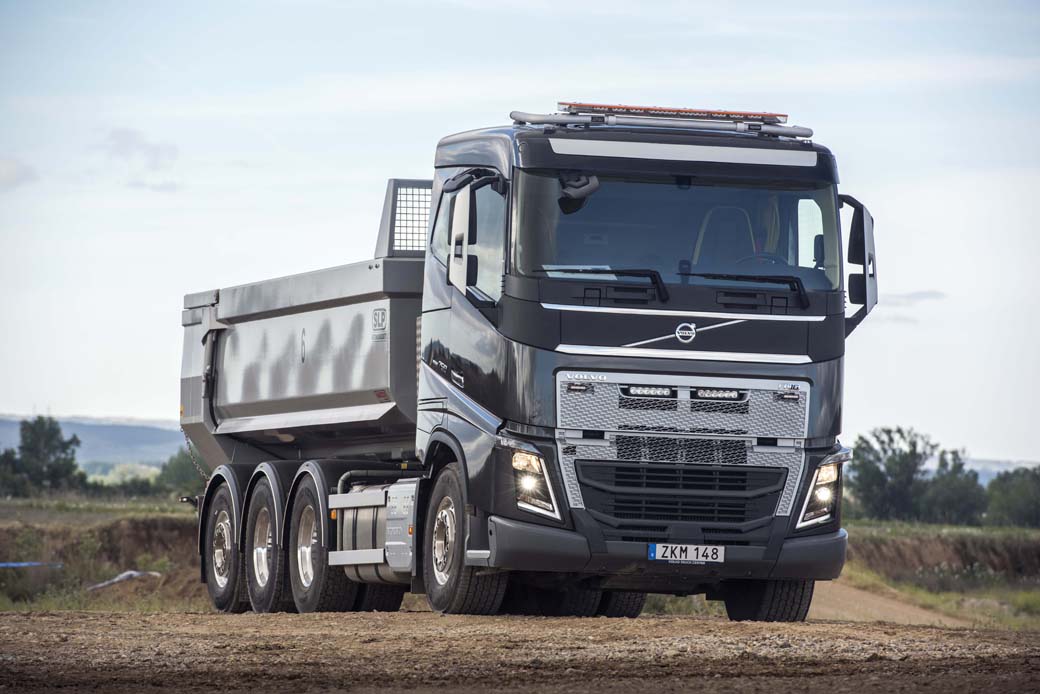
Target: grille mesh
pixel 764 413
pixel 411 217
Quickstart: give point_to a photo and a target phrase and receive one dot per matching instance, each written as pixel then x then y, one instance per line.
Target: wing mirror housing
pixel 862 286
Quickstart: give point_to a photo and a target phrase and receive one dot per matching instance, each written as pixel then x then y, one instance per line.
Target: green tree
pixel 179 475
pixel 1014 498
pixel 953 494
pixel 13 480
pixel 47 458
pixel 887 476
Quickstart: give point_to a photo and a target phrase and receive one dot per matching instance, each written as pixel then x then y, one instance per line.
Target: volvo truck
pixel 598 355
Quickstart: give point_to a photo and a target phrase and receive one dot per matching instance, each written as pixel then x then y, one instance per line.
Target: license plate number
pixel 686 554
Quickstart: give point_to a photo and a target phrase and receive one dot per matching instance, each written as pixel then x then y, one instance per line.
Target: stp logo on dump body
pixel 685 332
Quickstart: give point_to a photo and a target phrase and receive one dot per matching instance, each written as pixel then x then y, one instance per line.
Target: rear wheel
pixel 223 561
pixel 266 563
pixel 374 597
pixel 451 586
pixel 621 603
pixel 316 586
pixel 570 602
pixel 768 601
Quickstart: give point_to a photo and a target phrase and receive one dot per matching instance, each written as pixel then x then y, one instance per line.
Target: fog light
pixel 533 490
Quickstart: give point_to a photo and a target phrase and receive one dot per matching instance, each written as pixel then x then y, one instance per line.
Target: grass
pixel 994 606
pixel 902 529
pixel 75 509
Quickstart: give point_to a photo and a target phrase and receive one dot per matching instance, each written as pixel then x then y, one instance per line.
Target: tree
pixel 953 495
pixel 48 459
pixel 13 480
pixel 178 474
pixel 1014 498
pixel 887 476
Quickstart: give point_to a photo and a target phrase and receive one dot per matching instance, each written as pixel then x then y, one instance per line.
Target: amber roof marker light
pixel 584 113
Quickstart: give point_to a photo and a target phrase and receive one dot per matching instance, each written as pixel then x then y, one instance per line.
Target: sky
pixel 150 149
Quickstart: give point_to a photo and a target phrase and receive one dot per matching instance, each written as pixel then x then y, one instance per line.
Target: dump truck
pixel 598 355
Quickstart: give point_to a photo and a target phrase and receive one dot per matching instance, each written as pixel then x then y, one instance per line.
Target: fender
pixel 277 474
pixel 234 478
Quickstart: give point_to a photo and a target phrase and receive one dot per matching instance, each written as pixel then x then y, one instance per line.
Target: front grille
pixel 680 493
pixel 681 450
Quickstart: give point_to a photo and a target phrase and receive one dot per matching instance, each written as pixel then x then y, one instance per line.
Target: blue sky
pixel 152 149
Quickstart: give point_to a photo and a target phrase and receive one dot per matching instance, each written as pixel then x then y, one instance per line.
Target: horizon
pixel 142 159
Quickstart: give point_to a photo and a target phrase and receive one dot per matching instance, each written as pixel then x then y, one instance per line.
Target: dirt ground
pixel 422 651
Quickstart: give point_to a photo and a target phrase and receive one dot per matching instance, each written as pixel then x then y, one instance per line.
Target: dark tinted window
pixel 491 241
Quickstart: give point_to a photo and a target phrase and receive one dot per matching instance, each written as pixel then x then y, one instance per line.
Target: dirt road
pixel 424 651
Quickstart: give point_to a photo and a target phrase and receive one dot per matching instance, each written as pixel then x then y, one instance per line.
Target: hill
pixel 109 441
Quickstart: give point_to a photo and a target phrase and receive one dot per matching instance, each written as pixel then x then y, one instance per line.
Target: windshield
pixel 680 229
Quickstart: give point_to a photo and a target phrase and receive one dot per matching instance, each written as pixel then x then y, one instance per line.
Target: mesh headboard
pixel 406 218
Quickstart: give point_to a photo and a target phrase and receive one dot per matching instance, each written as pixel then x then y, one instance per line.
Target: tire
pixel 316 586
pixel 451 586
pixel 769 601
pixel 570 602
pixel 266 562
pixel 373 597
pixel 621 603
pixel 225 573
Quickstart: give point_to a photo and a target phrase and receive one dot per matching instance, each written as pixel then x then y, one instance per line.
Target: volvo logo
pixel 685 332
pixel 585 377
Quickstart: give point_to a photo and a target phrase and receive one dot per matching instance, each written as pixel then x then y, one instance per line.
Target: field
pixel 916 605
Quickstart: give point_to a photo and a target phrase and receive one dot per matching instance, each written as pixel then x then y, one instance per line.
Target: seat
pixel 725 237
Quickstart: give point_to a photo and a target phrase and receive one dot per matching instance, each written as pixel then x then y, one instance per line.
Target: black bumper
pixel 521 546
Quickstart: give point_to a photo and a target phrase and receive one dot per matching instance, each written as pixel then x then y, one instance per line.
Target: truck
pixel 598 355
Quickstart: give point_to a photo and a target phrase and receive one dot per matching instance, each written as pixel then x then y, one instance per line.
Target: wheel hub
pixel 262 548
pixel 306 542
pixel 444 535
pixel 222 549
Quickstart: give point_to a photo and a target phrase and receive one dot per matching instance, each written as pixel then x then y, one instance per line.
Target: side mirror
pixel 862 286
pixel 460 270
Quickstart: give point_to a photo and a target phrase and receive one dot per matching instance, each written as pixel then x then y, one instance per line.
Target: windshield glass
pixel 682 230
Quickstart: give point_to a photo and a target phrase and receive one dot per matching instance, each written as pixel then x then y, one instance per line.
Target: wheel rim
pixel 222 549
pixel 262 548
pixel 444 534
pixel 306 542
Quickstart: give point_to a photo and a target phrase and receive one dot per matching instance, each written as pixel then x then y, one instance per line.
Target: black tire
pixel 451 586
pixel 571 602
pixel 374 597
pixel 329 589
pixel 768 601
pixel 621 603
pixel 267 585
pixel 225 573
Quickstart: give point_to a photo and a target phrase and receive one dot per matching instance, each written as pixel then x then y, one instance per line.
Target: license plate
pixel 686 554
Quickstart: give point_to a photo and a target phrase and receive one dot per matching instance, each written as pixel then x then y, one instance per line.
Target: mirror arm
pixel 853 321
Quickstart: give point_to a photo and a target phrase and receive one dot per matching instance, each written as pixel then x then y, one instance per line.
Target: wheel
pixel 223 561
pixel 768 601
pixel 316 586
pixel 621 603
pixel 451 586
pixel 266 563
pixel 373 597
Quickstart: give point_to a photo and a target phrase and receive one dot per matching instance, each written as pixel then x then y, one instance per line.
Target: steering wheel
pixel 771 258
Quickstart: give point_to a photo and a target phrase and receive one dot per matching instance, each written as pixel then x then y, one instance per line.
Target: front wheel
pixel 768 601
pixel 621 603
pixel 451 586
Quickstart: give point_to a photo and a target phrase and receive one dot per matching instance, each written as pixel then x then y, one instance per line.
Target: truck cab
pixel 630 336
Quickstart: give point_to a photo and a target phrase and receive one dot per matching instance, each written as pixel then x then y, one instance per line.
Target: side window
pixel 810 225
pixel 491 241
pixel 442 228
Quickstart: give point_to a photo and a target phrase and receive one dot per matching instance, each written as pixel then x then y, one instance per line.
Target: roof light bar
pixel 576 107
pixel 577 113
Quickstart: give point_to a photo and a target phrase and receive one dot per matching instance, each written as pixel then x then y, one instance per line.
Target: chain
pixel 191 454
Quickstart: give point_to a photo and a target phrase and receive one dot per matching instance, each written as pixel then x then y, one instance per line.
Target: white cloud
pixel 15 173
pixel 131 145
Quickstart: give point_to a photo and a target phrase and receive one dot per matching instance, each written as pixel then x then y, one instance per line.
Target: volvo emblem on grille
pixel 685 332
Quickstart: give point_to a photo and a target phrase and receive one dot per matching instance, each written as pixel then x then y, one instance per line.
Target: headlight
pixel 534 492
pixel 821 501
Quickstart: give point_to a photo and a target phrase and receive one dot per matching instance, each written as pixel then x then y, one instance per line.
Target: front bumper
pixel 521 546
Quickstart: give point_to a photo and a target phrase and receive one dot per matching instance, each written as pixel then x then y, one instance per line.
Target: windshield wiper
pixel 792 281
pixel 653 275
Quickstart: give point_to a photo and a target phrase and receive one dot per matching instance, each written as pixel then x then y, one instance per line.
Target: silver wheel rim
pixel 306 541
pixel 444 534
pixel 222 549
pixel 262 549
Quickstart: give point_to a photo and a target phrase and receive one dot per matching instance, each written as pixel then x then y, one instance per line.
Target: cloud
pixel 157 187
pixel 14 173
pixel 908 299
pixel 132 146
